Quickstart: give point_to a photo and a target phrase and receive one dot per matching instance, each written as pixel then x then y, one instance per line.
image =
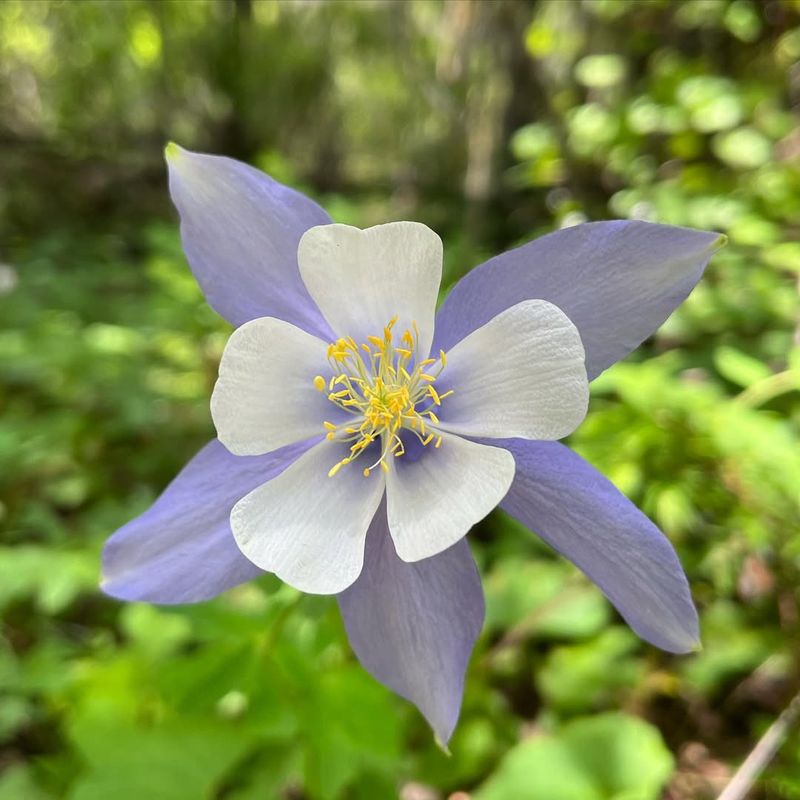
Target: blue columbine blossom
pixel 361 434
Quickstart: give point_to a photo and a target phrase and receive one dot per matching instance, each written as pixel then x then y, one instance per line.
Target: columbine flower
pixel 361 434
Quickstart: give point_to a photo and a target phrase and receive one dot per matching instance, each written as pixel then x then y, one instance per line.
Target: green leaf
pixel 601 71
pixel 351 726
pixel 607 757
pixel 540 768
pixel 744 148
pixel 275 768
pixel 579 677
pixel 751 229
pixel 53 577
pixel 548 598
pixel 783 256
pixel 713 102
pixel 730 648
pixel 156 632
pixel 18 783
pixel 173 761
pixel 738 367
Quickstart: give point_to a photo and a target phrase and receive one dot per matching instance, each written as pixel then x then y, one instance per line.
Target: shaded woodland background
pixel 492 122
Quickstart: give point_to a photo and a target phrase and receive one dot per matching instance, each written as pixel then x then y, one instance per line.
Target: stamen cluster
pixel 383 387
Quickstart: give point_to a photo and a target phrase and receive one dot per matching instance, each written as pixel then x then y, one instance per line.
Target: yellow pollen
pixel 374 383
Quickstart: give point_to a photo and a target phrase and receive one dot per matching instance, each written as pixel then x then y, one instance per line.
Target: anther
pixel 374 385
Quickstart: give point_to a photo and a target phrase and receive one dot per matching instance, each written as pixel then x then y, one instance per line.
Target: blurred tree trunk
pixel 235 138
pixel 491 32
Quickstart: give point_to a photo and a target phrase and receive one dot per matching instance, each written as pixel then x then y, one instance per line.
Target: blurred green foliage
pixel 493 122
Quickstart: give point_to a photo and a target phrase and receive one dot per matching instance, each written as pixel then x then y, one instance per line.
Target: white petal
pixel 265 396
pixel 307 528
pixel 522 374
pixel 362 279
pixel 181 549
pixel 433 501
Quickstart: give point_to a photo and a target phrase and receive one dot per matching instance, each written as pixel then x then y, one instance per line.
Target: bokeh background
pixel 493 122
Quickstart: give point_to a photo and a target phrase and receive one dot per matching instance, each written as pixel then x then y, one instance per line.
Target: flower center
pixel 383 387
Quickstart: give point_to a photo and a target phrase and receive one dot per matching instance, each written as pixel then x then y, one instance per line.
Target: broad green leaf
pixel 18 783
pixel 607 757
pixel 171 761
pixel 581 677
pixel 548 598
pixel 738 367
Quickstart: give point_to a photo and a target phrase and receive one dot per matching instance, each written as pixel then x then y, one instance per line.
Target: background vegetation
pixel 492 122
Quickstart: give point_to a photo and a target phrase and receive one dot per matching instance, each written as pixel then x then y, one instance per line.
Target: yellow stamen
pixel 374 385
pixel 336 467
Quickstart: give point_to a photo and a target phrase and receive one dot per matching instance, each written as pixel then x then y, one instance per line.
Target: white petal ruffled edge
pixel 308 528
pixel 361 279
pixel 265 396
pixel 434 501
pixel 522 374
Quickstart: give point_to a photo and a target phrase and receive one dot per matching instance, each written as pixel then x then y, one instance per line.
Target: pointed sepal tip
pixel 172 151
